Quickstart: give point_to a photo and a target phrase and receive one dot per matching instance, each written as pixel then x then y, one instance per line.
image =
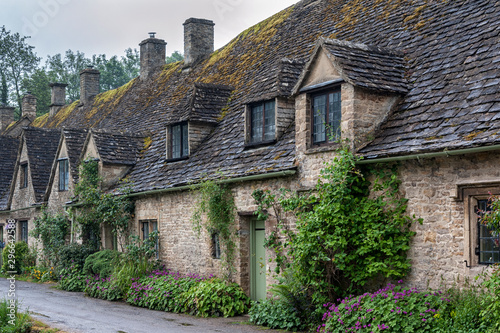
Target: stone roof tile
pixel 8 154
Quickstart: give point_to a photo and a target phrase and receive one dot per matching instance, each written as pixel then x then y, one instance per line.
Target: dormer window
pixel 262 122
pixel 179 141
pixel 326 117
pixel 24 175
pixel 63 174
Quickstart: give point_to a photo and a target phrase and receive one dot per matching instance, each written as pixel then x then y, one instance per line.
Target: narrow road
pixel 76 313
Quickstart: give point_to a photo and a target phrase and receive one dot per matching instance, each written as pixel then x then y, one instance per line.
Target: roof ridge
pixel 361 46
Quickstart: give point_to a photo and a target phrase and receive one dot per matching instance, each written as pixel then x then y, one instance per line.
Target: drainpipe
pixel 444 153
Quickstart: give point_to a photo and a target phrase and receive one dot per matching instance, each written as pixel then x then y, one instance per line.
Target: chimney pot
pixel 58 97
pixel 153 51
pixel 198 40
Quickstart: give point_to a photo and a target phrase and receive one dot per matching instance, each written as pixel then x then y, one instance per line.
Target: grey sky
pixel 111 26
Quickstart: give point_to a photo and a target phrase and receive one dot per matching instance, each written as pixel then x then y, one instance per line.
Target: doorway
pixel 257 260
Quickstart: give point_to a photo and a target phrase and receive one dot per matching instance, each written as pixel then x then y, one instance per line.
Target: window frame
pixel 338 135
pixel 63 181
pixel 266 110
pixel 23 169
pixel 152 225
pixel 215 244
pixel 184 150
pixel 23 231
pixel 481 204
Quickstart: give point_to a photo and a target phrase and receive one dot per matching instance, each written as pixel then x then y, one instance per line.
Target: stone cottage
pixel 411 81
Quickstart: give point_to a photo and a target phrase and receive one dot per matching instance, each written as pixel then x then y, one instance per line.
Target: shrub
pixel 72 279
pixel 74 255
pixel 215 298
pixel 19 323
pixel 101 263
pixel 490 302
pixel 161 290
pixel 102 288
pixel 43 274
pixel 14 257
pixel 392 308
pixel 276 313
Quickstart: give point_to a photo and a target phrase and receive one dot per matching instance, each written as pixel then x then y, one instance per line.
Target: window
pixel 326 116
pixel 262 122
pixel 23 226
pixel 215 245
pixel 63 174
pixel 488 246
pixel 179 144
pixel 147 227
pixel 24 175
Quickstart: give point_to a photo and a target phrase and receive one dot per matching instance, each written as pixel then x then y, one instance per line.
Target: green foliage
pixel 38 84
pixel 174 57
pixel 215 298
pixel 393 308
pixel 72 279
pixel 102 263
pixel 16 258
pixel 349 232
pixel 51 230
pixel 74 255
pixel 42 274
pixel 161 290
pixel 139 260
pixel 490 302
pixel 4 92
pixel 103 288
pixel 13 322
pixel 276 313
pixel 216 203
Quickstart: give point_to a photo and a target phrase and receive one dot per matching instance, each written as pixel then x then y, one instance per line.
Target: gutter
pixel 19 209
pixel 444 153
pixel 222 181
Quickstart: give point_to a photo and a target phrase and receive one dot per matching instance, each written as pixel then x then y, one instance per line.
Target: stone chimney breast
pixel 29 106
pixel 58 97
pixel 198 40
pixel 89 84
pixel 153 51
pixel 6 116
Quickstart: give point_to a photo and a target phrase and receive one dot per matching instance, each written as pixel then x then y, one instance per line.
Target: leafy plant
pixel 215 298
pixel 102 263
pixel 74 254
pixel 102 288
pixel 349 231
pixel 15 257
pixel 216 203
pixel 13 321
pixel 43 274
pixel 276 313
pixel 490 302
pixel 73 279
pixel 51 230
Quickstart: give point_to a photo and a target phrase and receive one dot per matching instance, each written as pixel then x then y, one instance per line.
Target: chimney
pixel 29 106
pixel 152 55
pixel 89 84
pixel 58 98
pixel 6 116
pixel 198 40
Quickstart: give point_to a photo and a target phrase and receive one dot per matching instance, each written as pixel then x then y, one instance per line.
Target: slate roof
pixel 118 148
pixel 74 138
pixel 41 145
pixel 8 155
pixel 450 48
pixel 368 66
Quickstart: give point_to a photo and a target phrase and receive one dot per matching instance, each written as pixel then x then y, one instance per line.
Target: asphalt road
pixel 76 313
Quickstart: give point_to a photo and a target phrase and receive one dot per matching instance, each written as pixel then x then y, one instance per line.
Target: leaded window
pixel 24 175
pixel 326 117
pixel 179 141
pixel 63 175
pixel 488 241
pixel 262 122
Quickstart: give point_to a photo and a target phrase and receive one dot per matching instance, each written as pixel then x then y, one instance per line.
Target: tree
pixel 67 70
pixel 5 91
pixel 17 60
pixel 38 84
pixel 174 57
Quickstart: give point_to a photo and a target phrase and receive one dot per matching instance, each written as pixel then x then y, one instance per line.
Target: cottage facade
pixel 409 82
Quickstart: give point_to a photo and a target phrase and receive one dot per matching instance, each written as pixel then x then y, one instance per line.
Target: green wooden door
pixel 257 260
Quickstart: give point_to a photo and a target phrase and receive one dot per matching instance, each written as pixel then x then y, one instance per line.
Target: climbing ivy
pixel 215 213
pixel 349 231
pixel 51 230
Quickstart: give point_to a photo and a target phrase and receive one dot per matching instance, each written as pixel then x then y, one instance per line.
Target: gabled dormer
pixel 190 125
pixel 37 151
pixel 64 174
pixel 345 92
pixel 117 153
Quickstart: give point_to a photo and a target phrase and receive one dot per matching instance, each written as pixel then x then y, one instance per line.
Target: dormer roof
pixel 120 148
pixel 8 154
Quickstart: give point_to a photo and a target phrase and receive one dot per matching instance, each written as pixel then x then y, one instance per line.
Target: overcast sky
pixel 111 26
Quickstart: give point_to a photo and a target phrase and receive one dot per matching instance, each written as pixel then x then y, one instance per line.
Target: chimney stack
pixel 29 106
pixel 153 52
pixel 6 116
pixel 58 97
pixel 89 84
pixel 198 40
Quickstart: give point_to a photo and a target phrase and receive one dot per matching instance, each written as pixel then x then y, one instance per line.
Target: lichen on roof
pixel 40 121
pixel 108 100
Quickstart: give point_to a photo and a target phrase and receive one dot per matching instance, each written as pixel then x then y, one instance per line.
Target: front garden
pixel 340 270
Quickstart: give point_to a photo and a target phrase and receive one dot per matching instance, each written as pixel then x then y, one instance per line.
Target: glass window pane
pixel 176 141
pixel 334 115
pixel 256 123
pixel 269 125
pixel 319 118
pixel 185 142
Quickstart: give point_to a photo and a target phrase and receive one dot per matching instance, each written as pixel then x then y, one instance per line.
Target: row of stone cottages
pixel 414 81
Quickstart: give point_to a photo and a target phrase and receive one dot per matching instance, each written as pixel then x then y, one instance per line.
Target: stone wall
pixel 89 84
pixel 6 116
pixel 197 133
